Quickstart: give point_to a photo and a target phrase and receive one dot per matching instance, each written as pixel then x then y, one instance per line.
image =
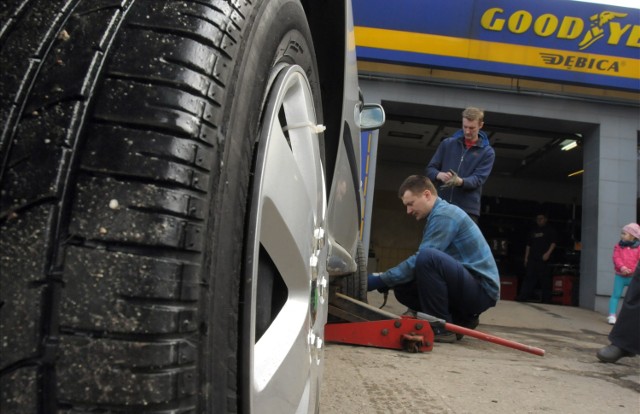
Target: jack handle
pixel 480 335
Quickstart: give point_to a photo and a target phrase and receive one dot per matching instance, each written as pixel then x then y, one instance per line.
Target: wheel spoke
pixel 290 209
pixel 287 213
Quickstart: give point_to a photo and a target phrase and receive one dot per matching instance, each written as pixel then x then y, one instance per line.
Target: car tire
pixel 138 214
pixel 355 284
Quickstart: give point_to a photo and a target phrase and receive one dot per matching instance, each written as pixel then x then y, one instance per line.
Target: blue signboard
pixel 567 41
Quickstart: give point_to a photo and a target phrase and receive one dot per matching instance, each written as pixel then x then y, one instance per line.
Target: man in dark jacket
pixel 462 163
pixel 541 243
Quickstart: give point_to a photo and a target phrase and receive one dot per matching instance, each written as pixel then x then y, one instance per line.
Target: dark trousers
pixel 626 331
pixel 537 272
pixel 443 288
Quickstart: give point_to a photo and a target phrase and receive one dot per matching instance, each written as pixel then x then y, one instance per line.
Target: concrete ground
pixel 474 376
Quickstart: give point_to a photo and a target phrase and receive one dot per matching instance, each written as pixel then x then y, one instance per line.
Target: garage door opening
pixel 532 173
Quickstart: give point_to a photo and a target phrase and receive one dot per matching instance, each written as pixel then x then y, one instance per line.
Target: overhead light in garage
pixel 568 144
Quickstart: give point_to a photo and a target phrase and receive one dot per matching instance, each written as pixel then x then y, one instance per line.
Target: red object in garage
pixel 508 287
pixel 564 290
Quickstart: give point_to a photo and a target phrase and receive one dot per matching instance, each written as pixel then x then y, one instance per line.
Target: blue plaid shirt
pixel 450 230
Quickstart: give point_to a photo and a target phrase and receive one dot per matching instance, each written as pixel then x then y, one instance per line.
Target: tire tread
pixel 119 304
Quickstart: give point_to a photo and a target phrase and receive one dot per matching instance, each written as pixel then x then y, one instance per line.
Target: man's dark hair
pixel 416 184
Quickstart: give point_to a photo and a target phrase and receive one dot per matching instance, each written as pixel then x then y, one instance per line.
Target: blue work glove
pixel 374 282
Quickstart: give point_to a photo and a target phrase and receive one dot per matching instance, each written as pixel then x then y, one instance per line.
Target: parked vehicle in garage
pixel 178 181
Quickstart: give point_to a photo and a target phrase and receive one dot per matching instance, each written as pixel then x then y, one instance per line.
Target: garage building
pixel 547 74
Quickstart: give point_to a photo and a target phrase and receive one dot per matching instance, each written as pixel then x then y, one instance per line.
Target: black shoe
pixel 470 324
pixel 612 353
pixel 444 337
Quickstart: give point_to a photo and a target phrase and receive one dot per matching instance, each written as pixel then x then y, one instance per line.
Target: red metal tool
pixel 479 335
pixel 411 335
pixel 369 326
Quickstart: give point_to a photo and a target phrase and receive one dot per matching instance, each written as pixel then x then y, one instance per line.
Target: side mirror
pixel 371 117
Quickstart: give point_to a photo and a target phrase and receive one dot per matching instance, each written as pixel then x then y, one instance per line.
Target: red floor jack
pixel 367 325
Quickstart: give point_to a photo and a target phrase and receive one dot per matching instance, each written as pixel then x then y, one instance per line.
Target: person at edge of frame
pixel 625 335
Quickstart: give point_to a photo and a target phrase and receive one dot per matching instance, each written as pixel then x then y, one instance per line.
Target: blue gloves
pixel 374 282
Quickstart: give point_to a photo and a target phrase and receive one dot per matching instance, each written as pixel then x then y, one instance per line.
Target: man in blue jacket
pixel 453 276
pixel 462 163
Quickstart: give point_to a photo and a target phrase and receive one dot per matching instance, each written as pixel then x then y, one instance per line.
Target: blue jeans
pixel 619 283
pixel 444 288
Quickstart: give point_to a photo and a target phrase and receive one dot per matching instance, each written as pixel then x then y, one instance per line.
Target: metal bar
pixel 358 310
pixel 481 335
pixel 344 315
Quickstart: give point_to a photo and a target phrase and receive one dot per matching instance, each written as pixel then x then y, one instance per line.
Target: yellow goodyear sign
pixel 566 41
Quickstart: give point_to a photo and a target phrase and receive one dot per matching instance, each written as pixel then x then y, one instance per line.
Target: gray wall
pixel 610 182
pixel 611 176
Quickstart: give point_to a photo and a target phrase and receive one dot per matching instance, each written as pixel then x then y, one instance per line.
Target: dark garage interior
pixel 531 174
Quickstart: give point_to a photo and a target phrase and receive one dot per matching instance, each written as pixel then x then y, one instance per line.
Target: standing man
pixel 541 243
pixel 453 276
pixel 462 163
